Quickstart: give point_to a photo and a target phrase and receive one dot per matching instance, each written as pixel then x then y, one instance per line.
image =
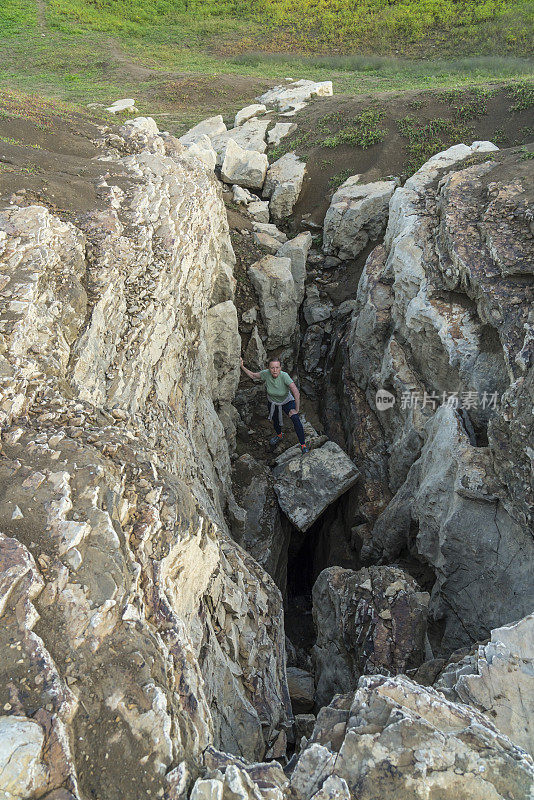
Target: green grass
pixel 363 132
pixel 424 139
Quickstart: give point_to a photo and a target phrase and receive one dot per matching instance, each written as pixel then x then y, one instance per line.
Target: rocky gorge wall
pixel 134 630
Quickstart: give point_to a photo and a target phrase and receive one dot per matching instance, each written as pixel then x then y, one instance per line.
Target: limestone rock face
pixel 357 214
pixel 307 484
pixel 297 250
pixel 279 131
pixel 429 328
pixel 135 632
pixel 266 537
pixel 449 495
pixel 243 167
pixel 499 680
pixel 202 149
pixel 283 184
pixel 395 739
pixel 275 286
pixel 368 622
pixel 224 346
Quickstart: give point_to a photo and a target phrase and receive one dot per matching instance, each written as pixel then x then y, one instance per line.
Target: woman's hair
pixel 274 360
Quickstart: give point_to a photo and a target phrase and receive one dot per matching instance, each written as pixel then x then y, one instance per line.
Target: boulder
pixel 357 214
pixel 307 484
pixel 275 287
pixel 370 621
pixel 201 148
pixel 279 131
pixel 248 112
pixel 244 167
pixel 224 346
pixel 295 94
pixel 119 106
pixel 315 309
pixel 283 184
pixel 266 242
pixel 297 251
pixel 242 196
pixel 399 740
pixel 259 211
pixel 249 136
pixel 301 688
pixel 213 126
pixel 271 229
pixel 22 768
pixel 499 680
pixel 266 537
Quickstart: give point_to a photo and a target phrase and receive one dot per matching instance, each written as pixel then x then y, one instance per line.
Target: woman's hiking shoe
pixel 275 441
pixel 304 448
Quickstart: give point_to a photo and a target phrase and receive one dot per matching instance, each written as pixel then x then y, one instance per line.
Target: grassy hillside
pixel 366 26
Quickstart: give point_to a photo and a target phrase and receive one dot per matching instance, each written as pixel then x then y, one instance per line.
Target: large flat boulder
pixel 250 136
pixel 248 112
pixel 213 126
pixel 307 485
pixel 297 250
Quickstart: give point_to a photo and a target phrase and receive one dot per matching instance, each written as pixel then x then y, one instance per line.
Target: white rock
pixel 424 176
pixel 21 770
pixel 249 136
pixel 202 149
pixel 279 131
pixel 249 112
pixel 213 126
pixel 272 230
pixel 503 686
pixel 128 104
pixel 283 184
pixel 286 98
pixel 242 196
pixel 259 210
pixel 210 789
pixel 244 167
pixel 224 345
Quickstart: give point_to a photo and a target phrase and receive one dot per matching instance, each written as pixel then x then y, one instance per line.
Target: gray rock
pixel 283 184
pixel 266 242
pixel 271 229
pixel 449 499
pixel 259 211
pixel 295 93
pixel 357 214
pixel 297 251
pixel 279 131
pixel 308 484
pixel 370 621
pixel 274 284
pixel 243 167
pixel 255 354
pixel 224 345
pixel 315 309
pixel 248 136
pixel 499 680
pixel 311 347
pixel 301 689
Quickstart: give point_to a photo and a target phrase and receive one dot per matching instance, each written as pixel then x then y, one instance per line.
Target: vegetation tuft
pixel 363 132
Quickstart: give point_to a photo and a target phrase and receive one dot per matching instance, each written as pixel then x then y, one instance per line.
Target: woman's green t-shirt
pixel 277 388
